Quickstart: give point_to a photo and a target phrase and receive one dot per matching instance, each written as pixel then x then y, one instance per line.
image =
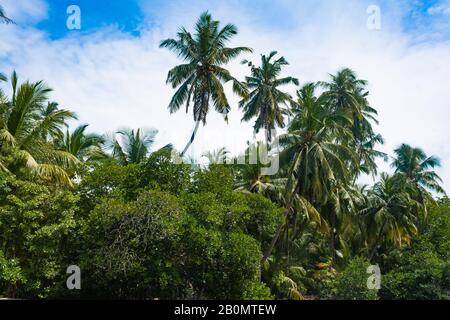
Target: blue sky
pixel 130 15
pixel 126 15
pixel 112 73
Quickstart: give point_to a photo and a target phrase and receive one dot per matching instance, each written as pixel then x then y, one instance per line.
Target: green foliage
pixel 159 172
pixel 351 283
pixel 288 287
pixel 34 226
pixel 165 242
pixel 266 101
pixel 10 273
pixel 29 126
pixel 135 244
pixel 160 250
pixel 104 179
pixel 218 179
pixel 419 275
pixel 324 283
pixel 423 271
pixel 141 226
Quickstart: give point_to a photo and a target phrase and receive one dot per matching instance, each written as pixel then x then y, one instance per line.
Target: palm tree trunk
pixel 197 125
pixel 333 239
pixel 267 137
pixel 279 230
pixel 269 250
pixel 374 249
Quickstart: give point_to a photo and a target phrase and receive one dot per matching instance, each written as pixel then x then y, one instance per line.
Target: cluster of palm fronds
pixel 330 142
pixel 3 17
pixel 35 141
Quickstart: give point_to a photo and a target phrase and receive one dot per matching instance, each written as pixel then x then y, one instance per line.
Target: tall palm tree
pixel 417 167
pixel 29 125
pixel 311 147
pixel 3 17
pixel 132 147
pixel 343 91
pixel 317 161
pixel 347 94
pixel 266 100
pixel 201 78
pixel 80 144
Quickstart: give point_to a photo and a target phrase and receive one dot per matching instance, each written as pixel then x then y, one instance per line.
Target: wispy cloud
pixel 26 11
pixel 440 9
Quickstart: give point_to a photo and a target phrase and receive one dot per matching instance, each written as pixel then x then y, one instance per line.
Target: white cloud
pixel 26 10
pixel 441 8
pixel 112 79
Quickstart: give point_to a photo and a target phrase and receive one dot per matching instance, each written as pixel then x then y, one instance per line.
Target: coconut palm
pixel 80 144
pixel 29 126
pixel 249 175
pixel 390 214
pixel 131 147
pixel 201 78
pixel 219 156
pixel 318 171
pixel 417 167
pixel 347 94
pixel 3 17
pixel 316 157
pixel 367 155
pixel 266 101
pixel 343 90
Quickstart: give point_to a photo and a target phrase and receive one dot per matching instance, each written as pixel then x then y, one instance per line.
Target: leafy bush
pixel 130 248
pixel 418 276
pixel 35 225
pixel 161 246
pixel 351 283
pixel 159 172
pixel 423 270
pixel 287 286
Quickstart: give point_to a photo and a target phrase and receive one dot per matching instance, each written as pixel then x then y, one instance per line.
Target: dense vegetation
pixel 142 226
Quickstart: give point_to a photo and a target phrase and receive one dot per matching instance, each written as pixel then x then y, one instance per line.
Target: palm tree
pixel 343 92
pixel 316 157
pixel 3 78
pixel 265 101
pixel 29 125
pixel 390 214
pixel 367 155
pixel 219 156
pixel 3 17
pixel 201 78
pixel 347 94
pixel 417 167
pixel 249 176
pixel 317 161
pixel 132 147
pixel 81 145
